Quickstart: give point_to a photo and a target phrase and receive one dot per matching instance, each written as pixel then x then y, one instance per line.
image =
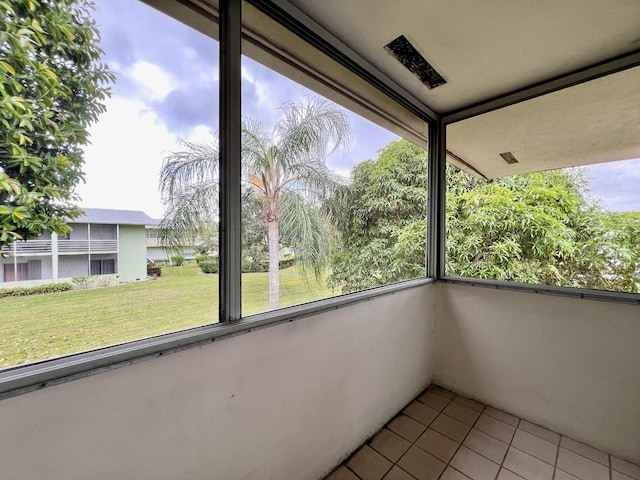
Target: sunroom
pixel 545 356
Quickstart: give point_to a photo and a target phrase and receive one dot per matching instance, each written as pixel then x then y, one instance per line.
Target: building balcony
pixel 29 247
pixel 87 246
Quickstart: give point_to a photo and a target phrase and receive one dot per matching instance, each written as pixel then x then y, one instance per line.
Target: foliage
pixel 52 87
pixel 199 258
pixel 381 220
pixel 153 270
pixel 285 181
pixel 208 266
pixel 537 228
pixel 177 260
pixel 24 291
pixel 81 281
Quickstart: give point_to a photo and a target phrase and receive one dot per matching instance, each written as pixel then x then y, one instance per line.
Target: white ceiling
pixel 489 48
pixel 482 48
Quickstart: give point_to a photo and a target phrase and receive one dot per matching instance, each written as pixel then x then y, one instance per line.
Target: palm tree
pixel 284 168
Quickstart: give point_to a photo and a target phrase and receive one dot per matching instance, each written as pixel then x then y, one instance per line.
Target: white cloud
pixel 123 161
pixel 155 83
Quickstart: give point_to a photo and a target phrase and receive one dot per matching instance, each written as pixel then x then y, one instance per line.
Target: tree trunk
pixel 274 267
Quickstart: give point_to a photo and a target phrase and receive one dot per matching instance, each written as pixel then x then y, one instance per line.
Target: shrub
pixel 153 270
pixel 209 266
pixel 287 262
pixel 81 281
pixel 199 258
pixel 177 260
pixel 23 291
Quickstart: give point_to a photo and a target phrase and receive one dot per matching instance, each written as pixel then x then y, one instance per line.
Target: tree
pixel 536 228
pixel 52 87
pixel 286 179
pixel 381 218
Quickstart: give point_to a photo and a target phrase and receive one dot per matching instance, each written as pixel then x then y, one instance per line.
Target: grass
pixel 44 326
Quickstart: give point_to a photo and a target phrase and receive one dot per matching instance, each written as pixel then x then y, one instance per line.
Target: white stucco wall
pixel 568 364
pixel 285 402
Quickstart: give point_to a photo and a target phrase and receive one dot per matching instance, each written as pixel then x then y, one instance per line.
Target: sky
pixel 166 90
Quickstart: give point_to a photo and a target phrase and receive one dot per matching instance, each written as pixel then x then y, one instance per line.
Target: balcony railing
pixel 29 247
pixel 33 247
pixel 87 246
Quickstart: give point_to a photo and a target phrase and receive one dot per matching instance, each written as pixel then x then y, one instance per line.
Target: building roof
pixel 121 217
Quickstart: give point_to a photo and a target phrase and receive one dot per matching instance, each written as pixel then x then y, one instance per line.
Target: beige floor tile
pixel 396 473
pixel 369 464
pixel 490 447
pixel 535 446
pixel 390 444
pixel 508 475
pixel 421 412
pixel 342 473
pixel 619 476
pixel 474 465
pixel 437 445
pixel 502 416
pixel 441 391
pixel 580 466
pixel 453 474
pixel 623 466
pixel 538 431
pixel 406 427
pixel 527 466
pixel 421 465
pixel 433 400
pixel 460 412
pixel 585 450
pixel 561 475
pixel 495 428
pixel 452 428
pixel 467 402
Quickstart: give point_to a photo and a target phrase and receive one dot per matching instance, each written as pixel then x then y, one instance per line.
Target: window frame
pixel 26 378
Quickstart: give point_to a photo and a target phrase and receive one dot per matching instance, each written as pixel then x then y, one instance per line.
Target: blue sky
pixel 166 90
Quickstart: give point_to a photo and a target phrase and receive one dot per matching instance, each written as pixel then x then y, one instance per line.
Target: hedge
pixel 23 291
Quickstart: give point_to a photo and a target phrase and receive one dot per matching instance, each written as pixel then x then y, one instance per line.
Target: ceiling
pixel 492 48
pixel 482 49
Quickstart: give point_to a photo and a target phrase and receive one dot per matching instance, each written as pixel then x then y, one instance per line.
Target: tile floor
pixel 445 436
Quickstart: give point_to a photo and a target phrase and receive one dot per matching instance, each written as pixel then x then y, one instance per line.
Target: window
pixel 529 221
pixel 164 98
pixel 103 267
pixel 334 198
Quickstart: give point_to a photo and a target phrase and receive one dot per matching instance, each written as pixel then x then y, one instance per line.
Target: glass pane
pixel 332 202
pixel 577 226
pixel 144 178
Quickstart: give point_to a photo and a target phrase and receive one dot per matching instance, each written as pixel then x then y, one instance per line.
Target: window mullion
pixel 230 251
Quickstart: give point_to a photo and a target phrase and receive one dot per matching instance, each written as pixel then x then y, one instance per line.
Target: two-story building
pixel 110 243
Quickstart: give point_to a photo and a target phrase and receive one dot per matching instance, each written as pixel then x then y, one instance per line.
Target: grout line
pixel 555 464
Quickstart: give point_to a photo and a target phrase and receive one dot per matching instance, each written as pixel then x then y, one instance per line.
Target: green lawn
pixel 44 326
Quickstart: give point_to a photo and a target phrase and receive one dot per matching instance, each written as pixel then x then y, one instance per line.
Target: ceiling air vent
pixel 415 63
pixel 508 157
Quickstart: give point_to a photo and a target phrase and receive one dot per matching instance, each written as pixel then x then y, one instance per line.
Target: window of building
pixel 545 191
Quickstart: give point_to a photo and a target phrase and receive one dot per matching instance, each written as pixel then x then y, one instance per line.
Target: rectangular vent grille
pixel 508 157
pixel 415 63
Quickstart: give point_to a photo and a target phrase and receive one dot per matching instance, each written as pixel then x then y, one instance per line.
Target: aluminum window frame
pixel 27 378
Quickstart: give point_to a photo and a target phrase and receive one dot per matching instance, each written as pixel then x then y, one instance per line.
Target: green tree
pixel 536 228
pixel 52 87
pixel 381 218
pixel 286 180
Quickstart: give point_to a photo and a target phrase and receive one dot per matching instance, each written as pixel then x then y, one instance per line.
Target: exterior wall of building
pixel 72 265
pixel 133 253
pixel 80 231
pixel 45 270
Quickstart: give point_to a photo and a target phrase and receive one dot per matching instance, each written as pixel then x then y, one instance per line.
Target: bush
pixel 287 262
pixel 23 291
pixel 177 260
pixel 81 281
pixel 208 266
pixel 199 258
pixel 153 270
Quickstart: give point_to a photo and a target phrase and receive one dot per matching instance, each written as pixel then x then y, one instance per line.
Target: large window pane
pixel 531 222
pixel 144 182
pixel 332 201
